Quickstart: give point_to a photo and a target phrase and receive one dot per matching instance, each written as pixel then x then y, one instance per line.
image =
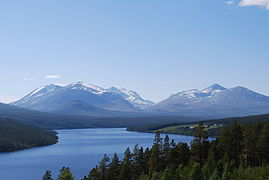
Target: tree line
pixel 240 152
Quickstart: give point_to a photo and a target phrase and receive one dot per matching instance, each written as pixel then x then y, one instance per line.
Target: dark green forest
pixel 212 132
pixel 15 136
pixel 240 152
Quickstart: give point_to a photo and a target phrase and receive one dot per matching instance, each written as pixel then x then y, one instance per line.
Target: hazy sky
pixel 156 47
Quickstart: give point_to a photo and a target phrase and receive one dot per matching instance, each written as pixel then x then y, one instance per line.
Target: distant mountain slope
pixel 83 99
pixel 81 108
pixel 132 97
pixel 43 119
pixel 58 121
pixel 15 136
pixel 215 101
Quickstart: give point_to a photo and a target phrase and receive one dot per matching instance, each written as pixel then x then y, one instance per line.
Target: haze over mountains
pixel 85 99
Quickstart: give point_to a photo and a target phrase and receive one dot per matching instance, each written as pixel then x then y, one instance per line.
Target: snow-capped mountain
pixel 37 95
pixel 132 97
pixel 80 96
pixel 215 88
pixel 87 87
pixel 86 99
pixel 215 101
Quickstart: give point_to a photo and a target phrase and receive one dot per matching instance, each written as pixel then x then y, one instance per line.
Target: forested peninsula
pixel 15 136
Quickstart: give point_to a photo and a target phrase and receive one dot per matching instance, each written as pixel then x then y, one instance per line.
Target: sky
pixel 155 47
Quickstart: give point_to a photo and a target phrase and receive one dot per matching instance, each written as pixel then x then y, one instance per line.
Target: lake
pixel 79 149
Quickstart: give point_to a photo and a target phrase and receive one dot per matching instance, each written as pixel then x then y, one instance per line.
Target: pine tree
pixel 139 161
pixel 215 175
pixel 249 153
pixel 196 173
pixel 231 143
pixel 209 166
pixel 113 170
pixel 103 166
pixel 155 155
pixel 199 145
pixel 263 145
pixel 166 145
pixel 94 174
pixel 65 174
pixel 47 176
pixel 126 166
pixel 183 153
pixel 173 144
pixel 167 174
pixel 146 157
pixel 158 141
pixel 226 174
pixel 155 160
pixel 166 151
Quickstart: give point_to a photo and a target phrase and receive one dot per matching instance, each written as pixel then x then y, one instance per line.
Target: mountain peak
pixel 131 96
pixel 214 87
pixel 118 89
pixel 86 86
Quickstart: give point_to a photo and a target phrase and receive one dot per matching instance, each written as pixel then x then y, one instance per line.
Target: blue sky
pixel 155 47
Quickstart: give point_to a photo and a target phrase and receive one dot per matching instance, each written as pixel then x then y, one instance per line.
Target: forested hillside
pixel 241 152
pixel 213 127
pixel 15 136
pixel 58 121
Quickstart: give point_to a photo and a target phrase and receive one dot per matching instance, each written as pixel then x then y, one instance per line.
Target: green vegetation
pixel 15 136
pixel 240 152
pixel 173 128
pixel 187 129
pixel 213 127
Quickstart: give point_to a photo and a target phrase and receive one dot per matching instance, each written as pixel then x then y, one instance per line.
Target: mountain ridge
pixel 54 98
pixel 237 101
pixel 214 100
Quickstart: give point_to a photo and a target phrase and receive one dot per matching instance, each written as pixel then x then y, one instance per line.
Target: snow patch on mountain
pixel 87 87
pixel 215 100
pixel 114 95
pixel 34 96
pixel 132 96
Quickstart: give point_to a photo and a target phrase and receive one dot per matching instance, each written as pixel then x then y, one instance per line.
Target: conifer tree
pixel 209 166
pixel 47 175
pixel 94 174
pixel 65 174
pixel 196 173
pixel 226 174
pixel 103 166
pixel 263 145
pixel 113 170
pixel 197 145
pixel 155 155
pixel 126 166
pixel 215 175
pixel 231 143
pixel 166 145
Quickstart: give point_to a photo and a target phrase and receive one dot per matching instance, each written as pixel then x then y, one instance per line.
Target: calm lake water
pixel 79 149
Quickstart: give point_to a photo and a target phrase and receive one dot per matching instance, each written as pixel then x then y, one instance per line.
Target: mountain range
pixel 86 99
pixel 215 100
